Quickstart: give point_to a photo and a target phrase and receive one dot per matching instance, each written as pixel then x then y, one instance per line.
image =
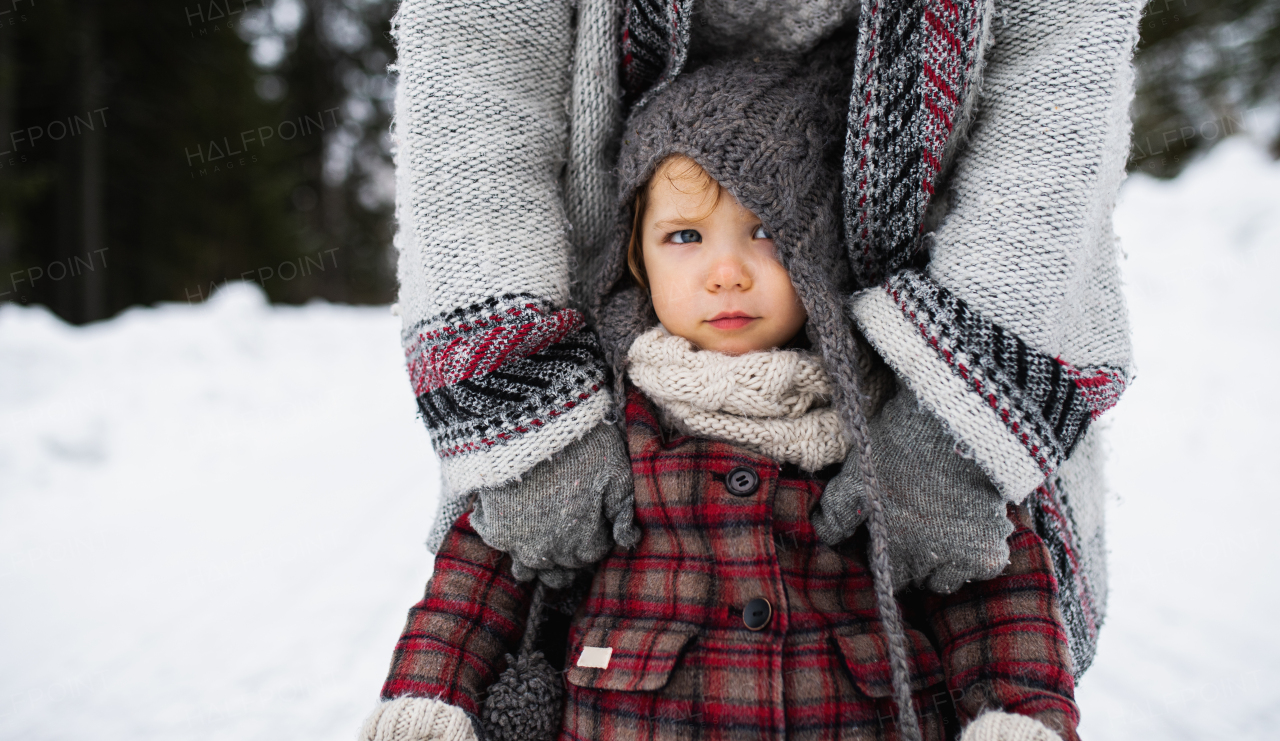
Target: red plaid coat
pixel 684 666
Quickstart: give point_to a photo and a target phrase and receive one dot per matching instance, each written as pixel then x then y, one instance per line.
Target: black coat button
pixel 742 482
pixel 757 613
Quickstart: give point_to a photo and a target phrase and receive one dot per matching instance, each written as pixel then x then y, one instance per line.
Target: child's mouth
pixel 731 320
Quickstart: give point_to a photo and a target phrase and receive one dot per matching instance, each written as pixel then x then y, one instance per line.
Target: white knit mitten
pixel 994 725
pixel 417 719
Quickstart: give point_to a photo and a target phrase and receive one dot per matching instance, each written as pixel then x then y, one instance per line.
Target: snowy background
pixel 211 516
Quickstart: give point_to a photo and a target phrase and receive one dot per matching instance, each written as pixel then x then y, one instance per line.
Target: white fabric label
pixel 594 657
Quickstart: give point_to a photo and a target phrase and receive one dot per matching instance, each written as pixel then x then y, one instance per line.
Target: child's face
pixel 713 271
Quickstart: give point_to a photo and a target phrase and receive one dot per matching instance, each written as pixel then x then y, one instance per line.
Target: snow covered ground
pixel 211 516
pixel 1191 649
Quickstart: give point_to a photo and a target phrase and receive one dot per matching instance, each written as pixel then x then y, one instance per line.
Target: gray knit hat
pixel 771 131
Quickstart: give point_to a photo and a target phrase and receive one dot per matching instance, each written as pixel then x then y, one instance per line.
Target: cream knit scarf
pixel 775 402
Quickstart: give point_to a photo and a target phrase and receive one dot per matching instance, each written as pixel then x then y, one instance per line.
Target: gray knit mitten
pixel 557 517
pixel 994 725
pixel 947 523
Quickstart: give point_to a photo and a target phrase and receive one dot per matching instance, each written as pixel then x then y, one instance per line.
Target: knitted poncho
pixel 985 148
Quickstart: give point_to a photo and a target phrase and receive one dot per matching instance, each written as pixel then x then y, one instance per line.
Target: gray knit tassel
pixel 882 570
pixel 843 358
pixel 524 704
pixel 869 33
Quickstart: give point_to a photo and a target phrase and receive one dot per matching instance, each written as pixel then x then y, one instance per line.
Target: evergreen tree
pixel 147 157
pixel 1206 68
pixel 337 61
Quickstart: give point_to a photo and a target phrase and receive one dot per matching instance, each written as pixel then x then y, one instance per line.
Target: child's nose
pixel 729 272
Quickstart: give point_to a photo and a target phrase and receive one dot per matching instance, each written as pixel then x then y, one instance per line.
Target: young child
pixel 718 304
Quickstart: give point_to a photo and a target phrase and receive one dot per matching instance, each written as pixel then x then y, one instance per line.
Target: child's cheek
pixel 672 296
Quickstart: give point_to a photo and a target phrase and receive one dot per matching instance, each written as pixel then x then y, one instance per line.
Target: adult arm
pixel 504 373
pixel 1016 334
pixel 500 132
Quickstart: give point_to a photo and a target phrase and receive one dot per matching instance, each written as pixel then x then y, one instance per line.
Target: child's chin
pixel 732 345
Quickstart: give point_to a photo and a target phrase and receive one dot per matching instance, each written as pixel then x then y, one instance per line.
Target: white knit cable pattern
pixel 998 726
pixel 417 719
pixel 775 402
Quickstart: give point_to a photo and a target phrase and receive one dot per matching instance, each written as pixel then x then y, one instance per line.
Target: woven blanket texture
pixel 1015 333
pixel 505 374
pixel 775 402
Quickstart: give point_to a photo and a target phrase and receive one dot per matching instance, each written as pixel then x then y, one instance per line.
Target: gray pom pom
pixel 524 704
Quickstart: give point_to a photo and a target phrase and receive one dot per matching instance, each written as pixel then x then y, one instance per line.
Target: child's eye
pixel 761 233
pixel 685 236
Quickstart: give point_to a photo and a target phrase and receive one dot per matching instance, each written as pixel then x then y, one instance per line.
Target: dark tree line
pixel 150 151
pixel 1206 69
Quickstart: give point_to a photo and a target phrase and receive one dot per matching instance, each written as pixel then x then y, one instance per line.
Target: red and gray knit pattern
pixel 1046 402
pixel 1081 599
pixel 1011 325
pixel 915 64
pixel 505 375
pixel 488 373
pixel 655 45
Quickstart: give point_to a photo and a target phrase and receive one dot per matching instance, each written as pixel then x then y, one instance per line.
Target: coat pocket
pixel 631 657
pixel 867 657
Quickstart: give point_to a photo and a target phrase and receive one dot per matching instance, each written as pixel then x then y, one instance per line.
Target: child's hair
pixel 635 246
